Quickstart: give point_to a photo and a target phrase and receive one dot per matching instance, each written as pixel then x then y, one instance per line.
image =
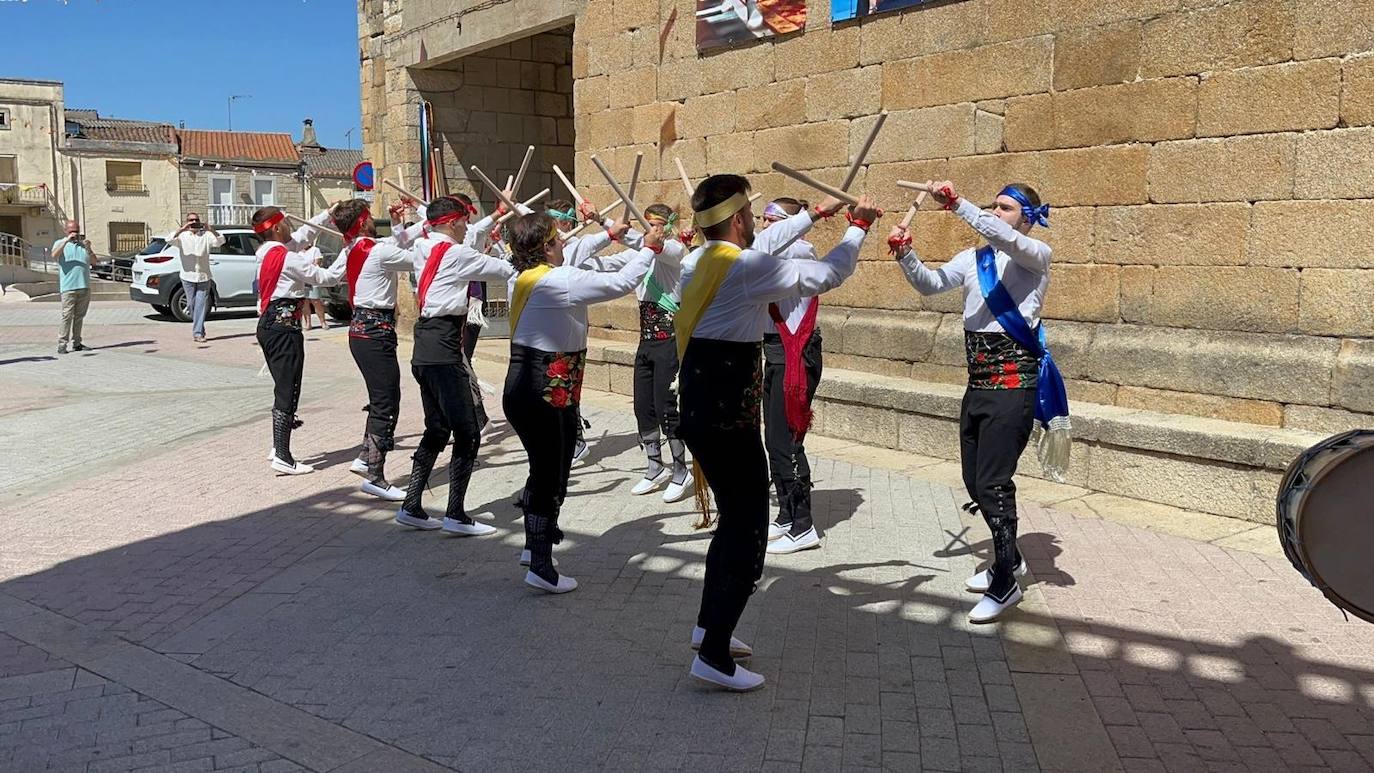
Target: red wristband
pixel 951 198
pixel 858 222
pixel 655 250
pixel 896 243
pixel 822 215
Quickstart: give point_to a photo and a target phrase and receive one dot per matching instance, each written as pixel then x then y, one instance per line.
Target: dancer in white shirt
pixel 549 302
pixel 283 274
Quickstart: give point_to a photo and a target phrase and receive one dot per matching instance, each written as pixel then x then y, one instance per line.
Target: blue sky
pixel 135 59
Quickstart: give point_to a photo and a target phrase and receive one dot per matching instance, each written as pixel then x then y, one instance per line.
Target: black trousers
pixel 446 398
pixel 470 333
pixel 284 350
pixel 994 427
pixel 654 400
pixel 546 423
pixel 376 359
pixel 787 462
pixel 721 383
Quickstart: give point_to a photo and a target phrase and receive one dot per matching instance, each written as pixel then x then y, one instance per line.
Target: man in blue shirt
pixel 73 255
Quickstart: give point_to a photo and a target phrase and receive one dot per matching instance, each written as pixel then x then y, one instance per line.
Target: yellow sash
pixel 710 272
pixel 524 285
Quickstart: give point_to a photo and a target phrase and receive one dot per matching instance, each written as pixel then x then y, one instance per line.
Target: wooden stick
pixel 911 213
pixel 577 197
pixel 604 211
pixel 909 185
pixel 755 197
pixel 405 192
pixel 524 167
pixel 440 176
pixel 814 183
pixel 686 181
pixel 500 194
pixel 510 183
pixel 634 183
pixel 615 186
pixel 863 152
pixel 527 203
pixel 303 221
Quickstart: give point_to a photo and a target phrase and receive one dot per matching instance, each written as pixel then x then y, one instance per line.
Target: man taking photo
pixel 74 256
pixel 194 239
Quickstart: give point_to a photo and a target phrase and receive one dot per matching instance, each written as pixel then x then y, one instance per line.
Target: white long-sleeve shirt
pixel 195 252
pixel 375 287
pixel 448 293
pixel 555 316
pixel 793 309
pixel 1023 265
pixel 298 271
pixel 739 311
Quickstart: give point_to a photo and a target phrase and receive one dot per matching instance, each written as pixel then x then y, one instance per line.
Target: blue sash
pixel 1052 400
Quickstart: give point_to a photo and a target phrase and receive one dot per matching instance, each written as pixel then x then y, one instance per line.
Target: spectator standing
pixel 314 296
pixel 194 239
pixel 73 256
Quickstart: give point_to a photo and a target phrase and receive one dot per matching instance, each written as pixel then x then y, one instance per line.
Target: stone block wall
pixel 1208 163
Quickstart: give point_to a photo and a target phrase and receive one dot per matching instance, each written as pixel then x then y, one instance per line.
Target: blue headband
pixel 569 216
pixel 1034 215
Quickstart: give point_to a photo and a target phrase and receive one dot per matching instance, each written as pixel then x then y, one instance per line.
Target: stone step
pixel 1220 467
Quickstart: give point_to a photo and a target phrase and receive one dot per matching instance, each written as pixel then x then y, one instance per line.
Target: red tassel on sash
pixel 795 402
pixel 268 275
pixel 431 269
pixel 357 256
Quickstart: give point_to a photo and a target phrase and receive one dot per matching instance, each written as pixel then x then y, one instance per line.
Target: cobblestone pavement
pixel 167 604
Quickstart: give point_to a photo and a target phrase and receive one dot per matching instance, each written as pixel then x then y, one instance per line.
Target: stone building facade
pixel 1208 164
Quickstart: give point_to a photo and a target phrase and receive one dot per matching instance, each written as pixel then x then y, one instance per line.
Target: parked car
pixel 120 268
pixel 233 267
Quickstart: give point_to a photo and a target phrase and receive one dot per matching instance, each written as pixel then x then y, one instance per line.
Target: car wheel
pixel 340 311
pixel 181 312
pixel 165 311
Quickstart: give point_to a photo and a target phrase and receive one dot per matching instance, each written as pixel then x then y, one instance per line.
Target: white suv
pixel 233 267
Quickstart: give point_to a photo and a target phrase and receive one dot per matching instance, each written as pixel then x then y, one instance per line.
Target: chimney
pixel 308 138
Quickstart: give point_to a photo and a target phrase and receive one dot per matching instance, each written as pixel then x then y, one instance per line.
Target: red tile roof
pixel 238 146
pixel 119 131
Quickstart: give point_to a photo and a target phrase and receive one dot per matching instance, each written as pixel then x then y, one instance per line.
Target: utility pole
pixel 230 102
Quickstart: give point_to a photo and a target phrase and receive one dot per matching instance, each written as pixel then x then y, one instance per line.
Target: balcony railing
pixel 125 186
pixel 231 214
pixel 26 194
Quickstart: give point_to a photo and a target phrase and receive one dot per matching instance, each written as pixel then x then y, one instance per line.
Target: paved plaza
pixel 166 604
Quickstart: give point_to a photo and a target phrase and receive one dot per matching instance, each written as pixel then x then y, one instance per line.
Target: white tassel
pixel 1053 445
pixel 475 315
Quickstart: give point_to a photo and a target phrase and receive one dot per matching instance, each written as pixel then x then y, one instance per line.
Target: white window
pixel 4 118
pixel 8 170
pixel 221 191
pixel 264 191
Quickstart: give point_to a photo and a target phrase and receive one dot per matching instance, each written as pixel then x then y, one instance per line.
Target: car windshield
pixel 154 247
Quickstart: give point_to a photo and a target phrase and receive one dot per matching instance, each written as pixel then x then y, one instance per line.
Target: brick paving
pixel 1167 653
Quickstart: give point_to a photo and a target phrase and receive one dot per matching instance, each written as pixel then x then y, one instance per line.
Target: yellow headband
pixel 721 212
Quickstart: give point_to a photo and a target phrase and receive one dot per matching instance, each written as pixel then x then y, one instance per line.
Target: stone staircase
pixel 46 290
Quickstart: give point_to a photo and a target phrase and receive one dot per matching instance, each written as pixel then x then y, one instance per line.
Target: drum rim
pixel 1299 556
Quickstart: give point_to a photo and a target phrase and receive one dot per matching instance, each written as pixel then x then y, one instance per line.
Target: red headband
pixel 461 214
pixel 356 228
pixel 268 224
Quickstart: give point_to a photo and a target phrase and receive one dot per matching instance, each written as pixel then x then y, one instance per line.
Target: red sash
pixel 357 256
pixel 797 407
pixel 268 275
pixel 431 268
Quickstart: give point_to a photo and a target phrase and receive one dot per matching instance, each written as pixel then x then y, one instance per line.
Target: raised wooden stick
pixel 510 183
pixel 526 203
pixel 524 167
pixel 863 152
pixel 615 186
pixel 755 197
pixel 634 183
pixel 317 226
pixel 577 197
pixel 500 194
pixel 405 192
pixel 911 213
pixel 909 185
pixel 814 183
pixel 686 181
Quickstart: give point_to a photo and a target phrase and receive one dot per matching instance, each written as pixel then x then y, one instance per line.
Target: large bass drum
pixel 1326 519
